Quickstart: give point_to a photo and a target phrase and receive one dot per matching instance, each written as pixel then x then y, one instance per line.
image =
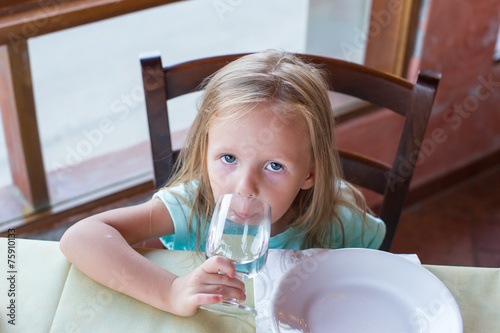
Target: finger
pixel 219 264
pixel 225 291
pixel 204 299
pixel 224 280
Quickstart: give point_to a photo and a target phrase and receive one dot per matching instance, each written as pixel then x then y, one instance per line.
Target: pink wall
pixel 459 43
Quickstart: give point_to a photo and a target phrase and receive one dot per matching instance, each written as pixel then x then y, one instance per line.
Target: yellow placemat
pixel 477 292
pixel 39 271
pixel 87 306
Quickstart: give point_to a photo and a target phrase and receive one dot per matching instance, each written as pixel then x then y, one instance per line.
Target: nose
pixel 248 183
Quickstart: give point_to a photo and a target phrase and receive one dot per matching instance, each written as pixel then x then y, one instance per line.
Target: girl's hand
pixel 204 286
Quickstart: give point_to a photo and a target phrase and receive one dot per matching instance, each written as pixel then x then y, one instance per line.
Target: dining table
pixel 41 291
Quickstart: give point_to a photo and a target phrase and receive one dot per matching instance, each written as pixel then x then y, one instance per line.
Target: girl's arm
pixel 99 246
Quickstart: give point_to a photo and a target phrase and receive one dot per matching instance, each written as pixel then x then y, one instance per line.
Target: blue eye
pixel 228 159
pixel 275 167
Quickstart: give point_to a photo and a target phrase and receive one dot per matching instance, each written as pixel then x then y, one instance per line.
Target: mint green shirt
pixel 355 235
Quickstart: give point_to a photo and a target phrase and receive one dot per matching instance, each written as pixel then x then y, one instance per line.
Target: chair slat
pixel 364 171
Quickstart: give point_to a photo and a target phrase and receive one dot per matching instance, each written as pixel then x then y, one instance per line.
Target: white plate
pixel 361 290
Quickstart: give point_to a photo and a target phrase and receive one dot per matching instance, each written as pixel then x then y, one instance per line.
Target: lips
pixel 244 217
pixel 247 210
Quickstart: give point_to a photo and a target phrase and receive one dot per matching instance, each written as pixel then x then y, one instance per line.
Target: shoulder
pixel 360 229
pixel 180 193
pixel 178 199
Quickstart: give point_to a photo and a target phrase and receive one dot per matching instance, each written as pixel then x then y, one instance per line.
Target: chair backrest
pixel 412 101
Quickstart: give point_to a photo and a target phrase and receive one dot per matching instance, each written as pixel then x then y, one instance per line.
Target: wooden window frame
pixel 388 49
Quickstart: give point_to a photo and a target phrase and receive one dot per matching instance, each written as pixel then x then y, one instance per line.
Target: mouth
pixel 244 216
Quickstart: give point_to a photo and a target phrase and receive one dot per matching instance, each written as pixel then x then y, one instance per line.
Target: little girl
pixel 265 129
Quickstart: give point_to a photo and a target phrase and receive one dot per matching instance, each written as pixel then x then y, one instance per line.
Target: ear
pixel 310 179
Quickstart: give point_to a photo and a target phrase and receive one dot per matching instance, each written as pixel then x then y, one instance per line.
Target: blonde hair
pixel 289 85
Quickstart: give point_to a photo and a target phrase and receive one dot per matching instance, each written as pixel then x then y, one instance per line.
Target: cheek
pixel 274 178
pixel 219 175
pixel 283 197
pixel 280 205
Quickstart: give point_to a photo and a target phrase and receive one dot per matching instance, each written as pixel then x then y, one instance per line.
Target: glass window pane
pixel 5 175
pixel 11 202
pixel 339 29
pixel 88 86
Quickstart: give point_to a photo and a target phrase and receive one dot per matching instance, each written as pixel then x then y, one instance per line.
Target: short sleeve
pixel 175 200
pixel 367 232
pixel 358 233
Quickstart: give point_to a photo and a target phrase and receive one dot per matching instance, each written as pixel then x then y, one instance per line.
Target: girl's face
pixel 262 154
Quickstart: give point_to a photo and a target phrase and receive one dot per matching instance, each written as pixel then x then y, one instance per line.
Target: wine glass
pixel 239 230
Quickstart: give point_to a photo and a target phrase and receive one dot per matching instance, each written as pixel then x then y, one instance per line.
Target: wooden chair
pixel 412 101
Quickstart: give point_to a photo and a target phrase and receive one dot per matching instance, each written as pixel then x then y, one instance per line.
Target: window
pixel 87 88
pixel 99 106
pixel 11 202
pixel 5 176
pixel 339 29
